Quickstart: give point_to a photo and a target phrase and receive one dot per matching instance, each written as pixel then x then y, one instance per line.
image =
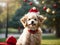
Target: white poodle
pixel 32 32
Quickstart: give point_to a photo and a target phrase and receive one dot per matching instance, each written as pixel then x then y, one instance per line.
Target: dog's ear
pixel 41 19
pixel 23 20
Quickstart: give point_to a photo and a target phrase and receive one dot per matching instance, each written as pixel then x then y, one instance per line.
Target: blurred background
pixel 12 10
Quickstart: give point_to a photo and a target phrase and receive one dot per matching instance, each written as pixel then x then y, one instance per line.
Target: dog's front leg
pixel 26 42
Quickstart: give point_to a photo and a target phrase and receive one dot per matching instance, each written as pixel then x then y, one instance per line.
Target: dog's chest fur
pixel 33 39
pixel 27 38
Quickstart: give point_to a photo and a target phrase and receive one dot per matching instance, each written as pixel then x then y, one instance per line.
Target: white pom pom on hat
pixel 34 10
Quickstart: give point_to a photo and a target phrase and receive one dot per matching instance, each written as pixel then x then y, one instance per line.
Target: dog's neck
pixel 32 30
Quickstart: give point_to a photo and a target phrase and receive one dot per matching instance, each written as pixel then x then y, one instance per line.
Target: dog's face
pixel 32 20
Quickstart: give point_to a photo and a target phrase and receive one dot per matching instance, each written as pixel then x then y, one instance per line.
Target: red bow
pixel 32 31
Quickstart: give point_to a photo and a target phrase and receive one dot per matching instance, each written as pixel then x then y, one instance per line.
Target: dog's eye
pixel 35 19
pixel 28 19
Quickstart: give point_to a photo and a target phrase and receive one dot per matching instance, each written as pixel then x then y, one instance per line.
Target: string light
pixel 53 12
pixel 43 2
pixel 48 10
pixel 36 2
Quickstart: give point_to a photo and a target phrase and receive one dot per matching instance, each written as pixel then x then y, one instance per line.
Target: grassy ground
pixel 46 40
pixel 50 40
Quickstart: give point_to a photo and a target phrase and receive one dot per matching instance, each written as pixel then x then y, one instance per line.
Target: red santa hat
pixel 34 10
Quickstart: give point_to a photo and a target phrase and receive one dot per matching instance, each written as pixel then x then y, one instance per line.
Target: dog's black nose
pixel 32 22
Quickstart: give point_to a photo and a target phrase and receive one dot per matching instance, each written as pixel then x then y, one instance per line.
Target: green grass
pixel 2 39
pixel 46 40
pixel 50 40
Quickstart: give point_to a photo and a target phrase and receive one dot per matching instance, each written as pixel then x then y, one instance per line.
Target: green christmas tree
pixel 15 22
pixel 48 8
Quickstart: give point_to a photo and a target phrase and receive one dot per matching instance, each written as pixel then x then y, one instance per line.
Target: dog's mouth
pixel 32 24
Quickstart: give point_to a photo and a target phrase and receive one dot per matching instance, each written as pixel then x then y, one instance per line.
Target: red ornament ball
pixel 30 3
pixel 44 8
pixel 55 5
pixel 11 40
pixel 25 0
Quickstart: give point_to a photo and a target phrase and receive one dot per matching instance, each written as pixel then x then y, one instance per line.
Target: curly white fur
pixel 29 39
